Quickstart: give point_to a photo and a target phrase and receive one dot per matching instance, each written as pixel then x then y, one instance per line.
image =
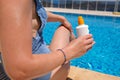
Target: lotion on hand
pixel 82 29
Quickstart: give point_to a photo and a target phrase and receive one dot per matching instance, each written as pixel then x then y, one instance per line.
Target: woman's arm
pixel 58 18
pixel 16 42
pixel 54 17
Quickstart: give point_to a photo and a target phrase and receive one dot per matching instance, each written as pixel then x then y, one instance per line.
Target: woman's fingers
pixel 88 36
pixel 68 26
pixel 90 45
pixel 89 41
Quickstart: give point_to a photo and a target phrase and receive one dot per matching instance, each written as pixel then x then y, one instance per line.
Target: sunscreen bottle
pixel 82 29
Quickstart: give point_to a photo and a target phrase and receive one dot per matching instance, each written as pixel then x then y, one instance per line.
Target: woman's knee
pixel 63 28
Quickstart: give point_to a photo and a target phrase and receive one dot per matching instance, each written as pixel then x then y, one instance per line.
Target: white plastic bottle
pixel 82 29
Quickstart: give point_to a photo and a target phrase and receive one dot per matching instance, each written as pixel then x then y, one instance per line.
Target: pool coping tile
pixel 87 12
pixel 84 74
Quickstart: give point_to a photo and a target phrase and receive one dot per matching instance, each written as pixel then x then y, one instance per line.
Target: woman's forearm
pixel 46 63
pixel 54 17
pixel 58 18
pixel 31 67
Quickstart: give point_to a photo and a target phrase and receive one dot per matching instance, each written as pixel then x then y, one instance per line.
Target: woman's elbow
pixel 16 74
pixel 18 71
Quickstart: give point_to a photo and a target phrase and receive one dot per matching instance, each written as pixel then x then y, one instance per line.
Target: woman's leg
pixel 61 38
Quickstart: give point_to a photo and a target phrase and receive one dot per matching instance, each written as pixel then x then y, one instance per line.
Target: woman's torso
pixel 36 22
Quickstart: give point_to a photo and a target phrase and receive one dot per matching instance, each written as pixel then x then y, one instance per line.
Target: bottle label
pixel 81 31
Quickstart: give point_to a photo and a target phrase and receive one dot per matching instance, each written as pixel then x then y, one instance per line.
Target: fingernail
pixel 94 42
pixel 91 34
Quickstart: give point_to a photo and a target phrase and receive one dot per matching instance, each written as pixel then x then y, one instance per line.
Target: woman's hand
pixel 55 18
pixel 79 46
pixel 66 23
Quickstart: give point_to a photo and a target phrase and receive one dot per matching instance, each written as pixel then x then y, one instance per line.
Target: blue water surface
pixel 105 55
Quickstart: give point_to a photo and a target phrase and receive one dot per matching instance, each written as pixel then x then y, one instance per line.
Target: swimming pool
pixel 105 55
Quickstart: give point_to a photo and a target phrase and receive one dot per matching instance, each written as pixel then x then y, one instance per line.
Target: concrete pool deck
pixel 84 74
pixel 87 12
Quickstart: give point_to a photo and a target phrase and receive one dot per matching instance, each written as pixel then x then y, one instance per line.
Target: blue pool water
pixel 105 55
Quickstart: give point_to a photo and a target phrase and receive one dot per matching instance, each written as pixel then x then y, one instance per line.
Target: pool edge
pixel 84 74
pixel 87 12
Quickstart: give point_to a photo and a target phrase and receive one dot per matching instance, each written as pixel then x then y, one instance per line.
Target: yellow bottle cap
pixel 80 20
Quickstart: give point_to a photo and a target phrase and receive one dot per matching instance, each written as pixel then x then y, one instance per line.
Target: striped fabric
pixel 3 76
